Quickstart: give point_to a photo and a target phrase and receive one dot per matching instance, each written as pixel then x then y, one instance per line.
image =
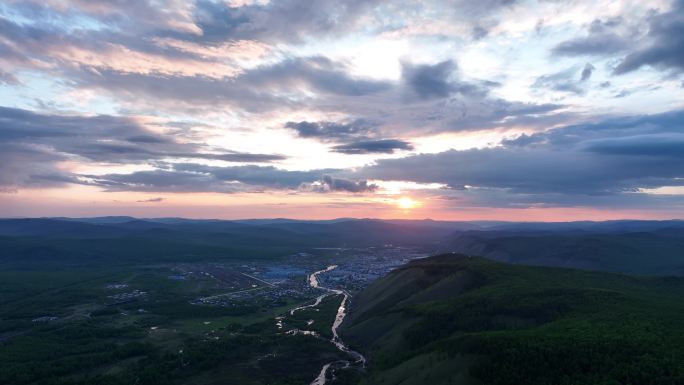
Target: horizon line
pixel 344 218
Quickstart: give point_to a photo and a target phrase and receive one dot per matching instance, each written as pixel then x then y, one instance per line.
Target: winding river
pixel 357 358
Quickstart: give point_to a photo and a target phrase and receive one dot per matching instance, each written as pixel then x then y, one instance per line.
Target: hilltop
pixel 453 319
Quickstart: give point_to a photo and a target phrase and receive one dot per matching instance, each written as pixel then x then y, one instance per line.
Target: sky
pixel 454 110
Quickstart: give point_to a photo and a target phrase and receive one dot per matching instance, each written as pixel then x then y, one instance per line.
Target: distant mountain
pixel 98 220
pixel 658 252
pixel 122 240
pixel 339 232
pixel 637 247
pixel 587 226
pixel 454 319
pixel 57 228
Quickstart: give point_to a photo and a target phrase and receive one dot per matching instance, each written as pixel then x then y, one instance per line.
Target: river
pixel 357 358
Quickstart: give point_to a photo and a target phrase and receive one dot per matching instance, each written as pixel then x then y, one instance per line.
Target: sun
pixel 406 203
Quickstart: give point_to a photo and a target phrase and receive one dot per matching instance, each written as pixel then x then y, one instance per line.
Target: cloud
pixel 326 130
pixel 615 127
pixel 604 37
pixel 151 200
pixel 610 157
pixel 429 81
pixel 27 165
pixel 269 64
pixel 331 184
pixel 209 22
pixel 105 138
pixel 141 60
pixel 159 61
pixel 192 177
pixel 284 84
pixel 567 80
pixel 382 146
pixel 563 81
pixel 521 141
pixel 658 146
pixel 32 145
pixel 586 72
pixel 288 20
pixel 200 178
pixel 8 78
pixel 663 47
pixel 439 80
pixel 428 99
pixel 356 136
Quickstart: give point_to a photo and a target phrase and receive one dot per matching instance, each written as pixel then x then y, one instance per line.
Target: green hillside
pixel 659 252
pixel 454 319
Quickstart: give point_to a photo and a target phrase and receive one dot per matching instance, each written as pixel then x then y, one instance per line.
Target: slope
pixel 455 319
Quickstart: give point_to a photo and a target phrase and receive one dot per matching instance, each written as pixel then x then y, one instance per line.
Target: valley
pixel 349 311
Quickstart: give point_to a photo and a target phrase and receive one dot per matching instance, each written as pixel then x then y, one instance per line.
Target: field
pixel 143 325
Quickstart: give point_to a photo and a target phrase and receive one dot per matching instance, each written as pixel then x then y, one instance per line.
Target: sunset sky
pixel 460 110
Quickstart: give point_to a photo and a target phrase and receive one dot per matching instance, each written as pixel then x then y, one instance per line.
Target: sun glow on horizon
pixel 406 203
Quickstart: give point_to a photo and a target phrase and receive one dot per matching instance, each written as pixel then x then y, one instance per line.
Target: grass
pixel 96 341
pixel 322 316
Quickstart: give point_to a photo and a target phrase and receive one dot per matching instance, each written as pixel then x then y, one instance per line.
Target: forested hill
pixel 657 251
pixel 632 247
pixel 123 240
pixel 453 319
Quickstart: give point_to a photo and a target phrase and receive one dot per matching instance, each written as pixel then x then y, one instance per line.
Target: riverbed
pixel 356 357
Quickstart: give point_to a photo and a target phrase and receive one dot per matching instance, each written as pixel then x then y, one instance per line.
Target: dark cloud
pixel 161 180
pixel 287 20
pixel 617 127
pixel 382 146
pixel 436 80
pixel 217 21
pixel 432 97
pixel 429 81
pixel 32 144
pixel 191 177
pixel 604 37
pixel 104 138
pixel 669 145
pixel 27 165
pixel 355 136
pixel 263 88
pixel 91 59
pixel 479 32
pixel 663 47
pixel 331 130
pixel 587 72
pixel 521 141
pixel 610 157
pixel 151 200
pixel 317 72
pixel 339 184
pixel 563 165
pixel 331 184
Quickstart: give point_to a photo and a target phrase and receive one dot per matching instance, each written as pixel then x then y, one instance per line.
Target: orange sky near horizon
pixel 89 202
